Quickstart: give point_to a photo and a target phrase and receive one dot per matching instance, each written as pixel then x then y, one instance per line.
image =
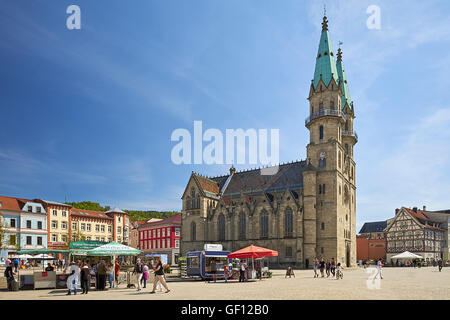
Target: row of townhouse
pixel 33 224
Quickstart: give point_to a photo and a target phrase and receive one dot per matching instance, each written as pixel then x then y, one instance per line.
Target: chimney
pixel 415 209
pixel 396 211
pixel 424 208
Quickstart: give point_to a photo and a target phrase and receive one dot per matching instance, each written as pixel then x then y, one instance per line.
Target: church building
pixel 308 208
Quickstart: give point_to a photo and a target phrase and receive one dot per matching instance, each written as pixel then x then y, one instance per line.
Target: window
pixel 322 226
pixel 12 239
pixel 221 225
pixel 54 224
pixel 332 105
pixel 168 243
pixel 64 213
pixel 321 132
pixel 54 237
pixel 163 232
pixel 339 159
pixel 39 241
pixel 30 209
pixel 103 228
pixel 109 229
pixel 288 223
pixel 320 188
pixel 74 226
pixel 64 225
pixel 119 230
pixel 38 209
pixel 97 238
pixel 153 233
pixel 177 232
pixel 28 240
pixel 97 228
pixel 320 106
pixel 83 227
pixel 322 163
pixel 118 218
pixel 168 232
pixel 88 238
pixel 12 223
pixel 64 238
pixel 323 188
pixel 103 239
pixel 264 224
pixel 242 226
pixel 55 213
pixel 39 225
pixel 159 233
pixel 288 252
pixel 88 227
pixel 193 231
pixel 28 224
pixel 177 243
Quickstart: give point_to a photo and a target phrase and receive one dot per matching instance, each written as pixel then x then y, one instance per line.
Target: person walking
pixel 85 276
pixel 328 267
pixel 102 272
pixel 110 274
pixel 316 266
pixel 138 269
pixel 16 265
pixel 333 267
pixel 144 277
pixel 322 267
pixel 225 273
pixel 379 266
pixel 49 267
pixel 214 270
pixel 440 264
pixel 117 272
pixel 241 272
pixel 159 276
pixel 72 283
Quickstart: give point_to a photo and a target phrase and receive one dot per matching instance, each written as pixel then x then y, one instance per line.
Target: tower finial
pixel 325 24
pixel 324 10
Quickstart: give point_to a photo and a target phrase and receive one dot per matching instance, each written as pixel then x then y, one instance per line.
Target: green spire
pixel 343 79
pixel 325 63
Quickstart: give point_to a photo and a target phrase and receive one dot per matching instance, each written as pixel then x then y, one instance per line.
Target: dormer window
pixel 30 209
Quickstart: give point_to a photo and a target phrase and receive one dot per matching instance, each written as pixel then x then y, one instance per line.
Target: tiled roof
pixel 175 219
pixel 422 218
pixel 208 184
pixel 10 203
pixel 91 214
pixel 116 210
pixel 377 226
pixel 288 175
pixel 53 203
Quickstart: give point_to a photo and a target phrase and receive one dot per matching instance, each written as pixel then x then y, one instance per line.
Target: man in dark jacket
pixel 9 276
pixel 138 272
pixel 85 276
pixel 101 275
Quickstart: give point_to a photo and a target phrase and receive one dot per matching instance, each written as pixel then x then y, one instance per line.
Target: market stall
pixel 253 252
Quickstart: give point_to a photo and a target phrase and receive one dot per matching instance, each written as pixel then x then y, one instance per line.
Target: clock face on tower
pixel 322 155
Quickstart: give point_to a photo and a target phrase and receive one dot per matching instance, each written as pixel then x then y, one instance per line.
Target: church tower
pixel 329 183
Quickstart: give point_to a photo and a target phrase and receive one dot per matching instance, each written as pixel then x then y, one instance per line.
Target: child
pixel 338 271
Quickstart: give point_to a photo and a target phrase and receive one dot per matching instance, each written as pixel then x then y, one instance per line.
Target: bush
pixel 167 269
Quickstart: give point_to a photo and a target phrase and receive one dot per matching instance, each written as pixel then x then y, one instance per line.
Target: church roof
pixel 252 181
pixel 325 63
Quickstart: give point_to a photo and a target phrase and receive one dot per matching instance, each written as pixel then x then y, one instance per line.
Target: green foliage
pixel 135 215
pixel 2 234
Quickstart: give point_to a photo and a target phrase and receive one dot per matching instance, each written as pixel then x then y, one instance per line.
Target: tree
pixel 79 236
pixel 2 234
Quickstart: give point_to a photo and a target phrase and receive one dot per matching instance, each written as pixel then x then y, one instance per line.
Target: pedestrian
pixel 102 272
pixel 328 267
pixel 159 276
pixel 110 274
pixel 138 272
pixel 225 273
pixel 322 267
pixel 241 272
pixel 333 266
pixel 440 264
pixel 338 271
pixel 72 283
pixel 117 272
pixel 85 276
pixel 288 272
pixel 144 277
pixel 213 266
pixel 379 266
pixel 316 266
pixel 230 270
pixel 414 263
pixel 9 276
pixel 49 267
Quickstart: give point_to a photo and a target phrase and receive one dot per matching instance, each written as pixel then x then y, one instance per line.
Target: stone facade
pixel 308 208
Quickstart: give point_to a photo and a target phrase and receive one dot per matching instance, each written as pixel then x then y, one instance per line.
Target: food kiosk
pixel 198 263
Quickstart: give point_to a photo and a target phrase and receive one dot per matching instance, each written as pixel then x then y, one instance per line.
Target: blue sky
pixel 88 114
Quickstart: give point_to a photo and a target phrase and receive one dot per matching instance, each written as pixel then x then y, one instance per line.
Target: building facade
pixel 161 237
pixel 58 220
pixel 371 241
pixel 307 208
pixel 413 230
pixel 24 223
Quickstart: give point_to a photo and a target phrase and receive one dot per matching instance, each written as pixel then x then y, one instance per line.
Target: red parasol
pixel 252 252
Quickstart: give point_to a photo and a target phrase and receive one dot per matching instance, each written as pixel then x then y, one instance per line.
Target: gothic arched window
pixel 221 227
pixel 321 132
pixel 242 226
pixel 288 223
pixel 264 223
pixel 332 105
pixel 193 231
pixel 193 198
